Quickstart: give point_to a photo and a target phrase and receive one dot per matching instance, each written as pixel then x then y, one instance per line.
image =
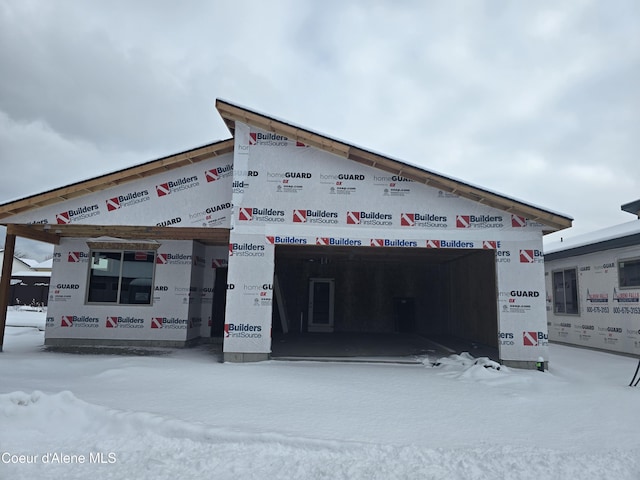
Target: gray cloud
pixel 538 100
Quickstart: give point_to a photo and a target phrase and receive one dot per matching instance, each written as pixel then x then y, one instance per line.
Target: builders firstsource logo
pixel 449 244
pixel 246 250
pixel 314 216
pixel 340 241
pixel 268 139
pixel 501 254
pixel 520 222
pixel 127 200
pixel 124 322
pixel 77 214
pixel 218 173
pixel 285 239
pixel 479 221
pixel 246 214
pixel 369 218
pixel 177 185
pixel 242 330
pixel 534 339
pixel 531 256
pixel 271 140
pixel 77 257
pixel 83 321
pixel 169 323
pixel 392 242
pixel 423 220
pixel 173 259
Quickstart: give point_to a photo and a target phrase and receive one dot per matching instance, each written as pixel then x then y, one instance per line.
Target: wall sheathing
pixel 286 193
pixel 71 321
pixel 608 314
pixel 198 195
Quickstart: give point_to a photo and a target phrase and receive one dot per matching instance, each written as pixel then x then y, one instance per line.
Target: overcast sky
pixel 536 100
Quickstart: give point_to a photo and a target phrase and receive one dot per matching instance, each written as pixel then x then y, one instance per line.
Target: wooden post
pixel 5 282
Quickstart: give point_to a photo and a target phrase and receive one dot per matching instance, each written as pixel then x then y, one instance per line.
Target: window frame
pixel 564 291
pixel 620 266
pixel 122 250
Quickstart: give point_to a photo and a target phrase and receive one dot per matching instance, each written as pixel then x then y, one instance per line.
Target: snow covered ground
pixel 185 415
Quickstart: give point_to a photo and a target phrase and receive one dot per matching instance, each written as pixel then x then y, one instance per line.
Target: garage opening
pixel 381 296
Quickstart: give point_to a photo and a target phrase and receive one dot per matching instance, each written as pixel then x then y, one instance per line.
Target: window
pixel 123 277
pixel 565 292
pixel 629 273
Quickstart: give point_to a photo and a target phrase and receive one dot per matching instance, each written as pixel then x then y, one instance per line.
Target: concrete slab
pixel 371 347
pixel 352 346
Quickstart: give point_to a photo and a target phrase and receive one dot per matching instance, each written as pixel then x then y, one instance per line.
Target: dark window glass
pixel 629 273
pixel 565 292
pixel 123 277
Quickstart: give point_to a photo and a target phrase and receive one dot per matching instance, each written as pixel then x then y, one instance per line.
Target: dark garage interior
pixel 446 295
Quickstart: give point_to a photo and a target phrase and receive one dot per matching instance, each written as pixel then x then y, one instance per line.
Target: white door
pixel 321 304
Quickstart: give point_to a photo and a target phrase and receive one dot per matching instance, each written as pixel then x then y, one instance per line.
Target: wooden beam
pixel 25 231
pixel 5 282
pixel 52 233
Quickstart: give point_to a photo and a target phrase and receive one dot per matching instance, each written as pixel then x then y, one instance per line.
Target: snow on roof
pixel 603 235
pixel 45 264
pixel 29 261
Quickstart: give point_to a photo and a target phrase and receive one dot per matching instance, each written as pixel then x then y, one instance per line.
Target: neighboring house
pixel 29 281
pixel 18 264
pixel 30 262
pixel 44 266
pixel 593 288
pixel 30 288
pixel 280 228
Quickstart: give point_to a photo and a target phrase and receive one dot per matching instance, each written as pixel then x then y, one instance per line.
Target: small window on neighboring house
pixel 565 291
pixel 629 273
pixel 123 277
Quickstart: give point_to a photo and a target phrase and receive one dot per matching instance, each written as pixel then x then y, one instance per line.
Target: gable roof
pixel 232 113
